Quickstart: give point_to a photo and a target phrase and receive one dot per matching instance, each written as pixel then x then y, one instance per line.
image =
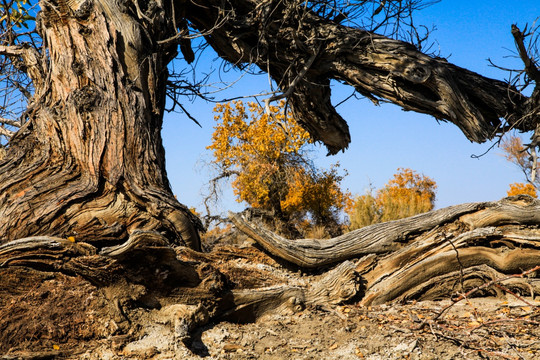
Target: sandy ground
pixel 62 316
pixel 475 329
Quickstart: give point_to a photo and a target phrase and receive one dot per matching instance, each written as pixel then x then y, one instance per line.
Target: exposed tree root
pixel 143 284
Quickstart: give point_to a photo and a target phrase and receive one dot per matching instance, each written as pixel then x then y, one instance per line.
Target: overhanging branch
pixel 376 66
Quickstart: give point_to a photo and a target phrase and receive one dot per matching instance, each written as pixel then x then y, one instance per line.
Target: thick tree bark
pixel 84 180
pixel 429 255
pixel 89 162
pixel 302 52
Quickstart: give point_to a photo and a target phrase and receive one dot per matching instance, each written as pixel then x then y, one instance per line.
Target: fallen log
pixel 434 249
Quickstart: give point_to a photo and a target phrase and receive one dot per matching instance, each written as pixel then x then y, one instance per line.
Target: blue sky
pixel 384 138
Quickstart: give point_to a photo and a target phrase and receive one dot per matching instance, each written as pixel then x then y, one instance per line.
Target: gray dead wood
pixel 414 254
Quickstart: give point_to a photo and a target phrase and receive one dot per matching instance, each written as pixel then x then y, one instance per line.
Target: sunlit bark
pixel 89 163
pixel 302 52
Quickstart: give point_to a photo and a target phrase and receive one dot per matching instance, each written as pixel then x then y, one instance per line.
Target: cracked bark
pixel 89 162
pixel 376 66
pixel 84 180
pixel 427 255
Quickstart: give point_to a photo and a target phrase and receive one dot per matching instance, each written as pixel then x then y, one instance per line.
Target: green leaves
pixel 15 13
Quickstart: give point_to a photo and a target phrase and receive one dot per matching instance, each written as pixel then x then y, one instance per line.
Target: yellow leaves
pixel 516 153
pixel 514 150
pixel 363 211
pixel 15 13
pixel 244 134
pixel 194 211
pixel 268 152
pixel 406 194
pixel 259 147
pixel 407 184
pixel 522 189
pixel 317 191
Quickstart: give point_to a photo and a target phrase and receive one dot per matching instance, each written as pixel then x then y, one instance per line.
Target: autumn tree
pixel 406 194
pixel 268 157
pixel 525 158
pixel 522 189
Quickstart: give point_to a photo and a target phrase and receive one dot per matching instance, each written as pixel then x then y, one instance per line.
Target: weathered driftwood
pixel 426 251
pixel 374 239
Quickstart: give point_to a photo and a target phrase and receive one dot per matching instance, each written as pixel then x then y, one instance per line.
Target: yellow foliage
pixel 269 157
pixel 217 232
pixel 363 211
pixel 194 211
pixel 317 192
pixel 516 153
pixel 406 194
pixel 522 189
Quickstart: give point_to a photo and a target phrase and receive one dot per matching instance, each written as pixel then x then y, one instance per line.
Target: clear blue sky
pixel 384 138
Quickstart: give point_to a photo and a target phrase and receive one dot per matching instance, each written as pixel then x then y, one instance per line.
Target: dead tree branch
pixel 413 260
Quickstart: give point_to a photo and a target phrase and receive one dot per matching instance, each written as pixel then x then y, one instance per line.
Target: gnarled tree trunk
pixel 87 171
pixel 89 163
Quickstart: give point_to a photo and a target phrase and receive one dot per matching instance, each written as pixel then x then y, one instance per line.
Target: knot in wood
pixel 86 99
pixel 416 74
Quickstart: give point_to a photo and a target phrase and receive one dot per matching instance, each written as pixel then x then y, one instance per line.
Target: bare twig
pixel 295 82
pixel 6 132
pixel 530 66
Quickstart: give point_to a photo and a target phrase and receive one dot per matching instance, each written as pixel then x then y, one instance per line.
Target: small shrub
pixel 522 189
